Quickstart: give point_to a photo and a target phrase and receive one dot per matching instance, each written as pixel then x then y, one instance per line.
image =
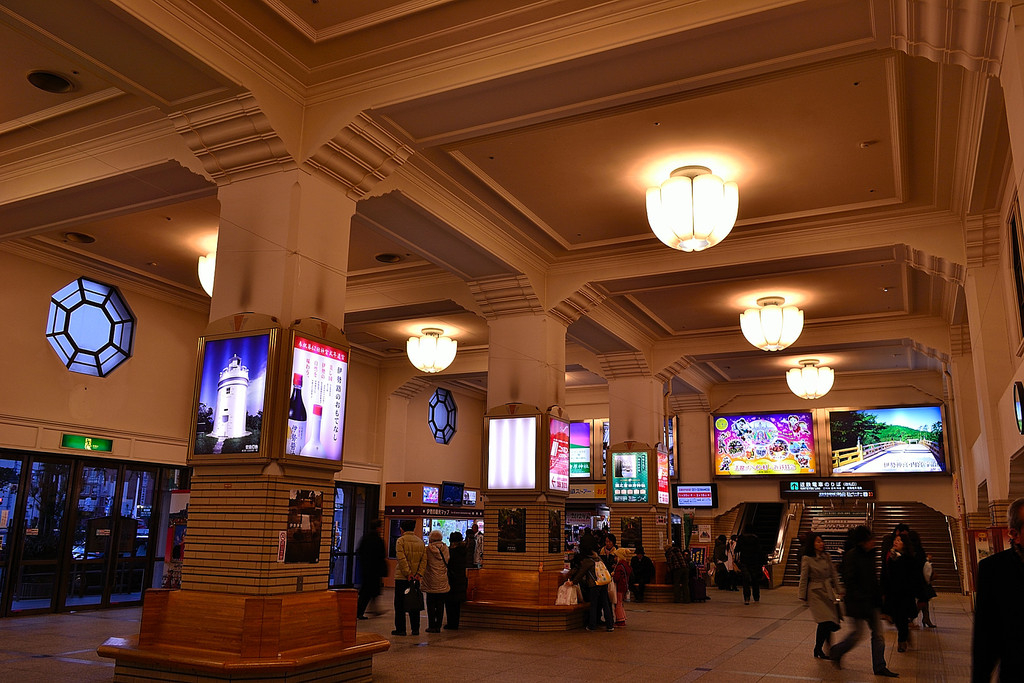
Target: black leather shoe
pixel 398 633
pixel 886 673
pixel 361 617
pixel 818 654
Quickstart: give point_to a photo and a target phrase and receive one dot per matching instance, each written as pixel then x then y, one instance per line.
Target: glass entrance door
pixel 37 559
pixel 134 552
pixel 92 525
pixel 10 478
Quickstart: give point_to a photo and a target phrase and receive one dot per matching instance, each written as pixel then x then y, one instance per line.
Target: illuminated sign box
pixel 899 440
pixel 827 488
pixel 86 443
pixel 512 452
pixel 558 455
pixel 316 405
pixel 764 444
pixel 696 495
pixel 629 477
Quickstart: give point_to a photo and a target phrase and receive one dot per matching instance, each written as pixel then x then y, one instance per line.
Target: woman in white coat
pixel 819 588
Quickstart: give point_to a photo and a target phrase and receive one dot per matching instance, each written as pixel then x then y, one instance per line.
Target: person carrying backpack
pixel 593 573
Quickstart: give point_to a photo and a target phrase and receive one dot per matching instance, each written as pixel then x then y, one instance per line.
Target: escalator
pixel 763 520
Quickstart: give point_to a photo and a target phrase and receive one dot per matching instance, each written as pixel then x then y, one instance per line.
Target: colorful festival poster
pixel 776 443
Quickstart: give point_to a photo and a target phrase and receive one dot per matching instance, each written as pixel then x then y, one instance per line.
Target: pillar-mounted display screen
pixel 512 452
pixel 316 398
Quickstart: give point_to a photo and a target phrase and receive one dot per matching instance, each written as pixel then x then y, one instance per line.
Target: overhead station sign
pixel 827 488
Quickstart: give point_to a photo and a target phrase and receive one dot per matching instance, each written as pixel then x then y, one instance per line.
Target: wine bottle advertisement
pixel 316 404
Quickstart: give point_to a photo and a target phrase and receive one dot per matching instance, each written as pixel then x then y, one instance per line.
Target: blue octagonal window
pixel 442 415
pixel 90 327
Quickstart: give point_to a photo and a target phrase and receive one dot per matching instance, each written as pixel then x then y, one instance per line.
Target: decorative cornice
pixel 505 295
pixel 412 386
pixel 622 364
pixel 673 370
pixel 982 237
pixel 233 139
pixel 959 340
pixel 360 156
pixel 688 403
pixel 579 303
pixel 969 34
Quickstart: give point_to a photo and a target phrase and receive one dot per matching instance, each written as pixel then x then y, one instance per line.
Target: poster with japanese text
pixel 775 443
pixel 316 406
pixel 558 455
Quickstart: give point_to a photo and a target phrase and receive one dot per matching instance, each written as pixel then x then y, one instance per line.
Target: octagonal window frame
pixel 443 398
pixel 109 349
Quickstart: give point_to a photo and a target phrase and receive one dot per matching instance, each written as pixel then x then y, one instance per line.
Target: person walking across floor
pixel 435 581
pixel 457 553
pixel 412 562
pixel 863 601
pixel 819 588
pixel 749 560
pixel 586 574
pixel 998 606
pixel 928 592
pixel 901 585
pixel 373 566
pixel 643 573
pixel 677 570
pixel 622 576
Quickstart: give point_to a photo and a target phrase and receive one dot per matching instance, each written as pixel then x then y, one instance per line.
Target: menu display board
pixel 232 385
pixel 579 449
pixel 903 440
pixel 696 496
pixel 770 443
pixel 629 477
pixel 663 476
pixel 316 407
pixel 558 455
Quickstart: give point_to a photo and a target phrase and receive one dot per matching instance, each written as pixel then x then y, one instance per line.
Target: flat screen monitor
pixel 764 443
pixel 579 449
pixel 662 476
pixel 316 401
pixel 629 477
pixel 431 495
pixel 696 495
pixel 232 386
pixel 469 498
pixel 903 440
pixel 451 492
pixel 558 455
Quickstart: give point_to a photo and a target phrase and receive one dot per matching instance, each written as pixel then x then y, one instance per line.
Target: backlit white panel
pixel 512 453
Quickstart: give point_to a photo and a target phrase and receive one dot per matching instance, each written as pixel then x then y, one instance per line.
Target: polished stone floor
pixel 720 640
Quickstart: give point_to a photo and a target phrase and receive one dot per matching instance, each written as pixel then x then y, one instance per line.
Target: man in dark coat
pixel 863 601
pixel 457 561
pixel 643 573
pixel 750 559
pixel 373 566
pixel 999 607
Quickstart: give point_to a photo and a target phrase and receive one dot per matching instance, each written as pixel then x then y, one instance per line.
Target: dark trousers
pixel 681 585
pixel 874 624
pixel 454 608
pixel 367 592
pixel 638 591
pixel 414 617
pixel 435 610
pixel 823 636
pixel 751 584
pixel 600 604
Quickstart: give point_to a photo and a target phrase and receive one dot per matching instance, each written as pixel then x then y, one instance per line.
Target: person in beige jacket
pixel 435 581
pixel 412 562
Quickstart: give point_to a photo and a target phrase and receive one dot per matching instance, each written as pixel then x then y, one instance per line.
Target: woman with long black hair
pixel 819 588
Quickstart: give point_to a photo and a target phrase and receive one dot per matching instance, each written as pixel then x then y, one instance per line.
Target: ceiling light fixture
pixel 772 326
pixel 207 267
pixel 431 352
pixel 692 210
pixel 810 380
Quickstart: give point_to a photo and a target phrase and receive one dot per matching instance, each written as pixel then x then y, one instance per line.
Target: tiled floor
pixel 720 640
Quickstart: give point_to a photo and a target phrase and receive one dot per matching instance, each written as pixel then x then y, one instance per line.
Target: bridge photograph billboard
pixel 903 440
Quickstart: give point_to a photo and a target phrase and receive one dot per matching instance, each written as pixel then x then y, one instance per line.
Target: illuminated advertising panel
pixel 316 406
pixel 663 476
pixel 696 495
pixel 232 384
pixel 579 449
pixel 629 477
pixel 558 455
pixel 431 495
pixel 768 443
pixel 512 452
pixel 905 440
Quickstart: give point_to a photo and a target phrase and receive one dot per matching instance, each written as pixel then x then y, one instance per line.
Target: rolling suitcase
pixel 699 588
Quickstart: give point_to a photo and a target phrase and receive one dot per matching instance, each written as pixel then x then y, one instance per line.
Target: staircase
pixel 763 519
pixel 930 525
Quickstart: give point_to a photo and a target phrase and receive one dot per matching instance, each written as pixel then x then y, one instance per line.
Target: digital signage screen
pixel 451 493
pixel 469 498
pixel 579 449
pixel 767 443
pixel 663 476
pixel 629 477
pixel 232 385
pixel 696 495
pixel 316 405
pixel 431 495
pixel 905 440
pixel 512 452
pixel 558 455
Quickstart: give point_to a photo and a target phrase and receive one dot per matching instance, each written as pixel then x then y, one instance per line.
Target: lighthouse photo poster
pixel 231 392
pixel 316 404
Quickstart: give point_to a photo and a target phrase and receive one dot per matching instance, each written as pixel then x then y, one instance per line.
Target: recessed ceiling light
pixel 79 238
pixel 392 349
pixel 389 258
pixel 51 82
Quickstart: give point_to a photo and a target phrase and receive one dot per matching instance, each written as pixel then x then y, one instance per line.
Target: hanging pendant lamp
pixel 810 380
pixel 431 352
pixel 772 326
pixel 692 210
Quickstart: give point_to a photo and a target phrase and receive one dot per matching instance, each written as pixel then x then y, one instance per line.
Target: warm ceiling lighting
pixel 772 326
pixel 431 352
pixel 810 380
pixel 692 210
pixel 207 267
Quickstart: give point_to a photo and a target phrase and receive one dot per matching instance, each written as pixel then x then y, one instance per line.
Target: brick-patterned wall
pixel 536 555
pixel 649 532
pixel 234 521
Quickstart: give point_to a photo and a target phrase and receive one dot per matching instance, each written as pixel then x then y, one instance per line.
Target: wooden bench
pixel 215 637
pixel 518 600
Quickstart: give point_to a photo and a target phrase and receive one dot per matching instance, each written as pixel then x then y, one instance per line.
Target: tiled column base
pixel 353 670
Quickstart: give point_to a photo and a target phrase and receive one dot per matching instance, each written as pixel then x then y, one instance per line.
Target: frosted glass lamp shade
pixel 692 210
pixel 772 326
pixel 207 268
pixel 431 352
pixel 810 380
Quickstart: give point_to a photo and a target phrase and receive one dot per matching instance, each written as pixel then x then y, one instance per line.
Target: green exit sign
pixel 86 443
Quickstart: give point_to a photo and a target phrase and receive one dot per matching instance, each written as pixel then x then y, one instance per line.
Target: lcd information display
pixel 316 409
pixel 629 477
pixel 431 495
pixel 579 449
pixel 770 443
pixel 663 477
pixel 232 383
pixel 887 440
pixel 558 455
pixel 696 495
